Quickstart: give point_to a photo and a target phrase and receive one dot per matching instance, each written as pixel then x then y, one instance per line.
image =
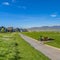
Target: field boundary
pixel 52 46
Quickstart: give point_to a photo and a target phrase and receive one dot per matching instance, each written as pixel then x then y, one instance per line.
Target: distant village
pixel 11 29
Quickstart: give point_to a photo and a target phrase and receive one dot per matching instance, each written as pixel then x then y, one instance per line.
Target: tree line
pixel 11 29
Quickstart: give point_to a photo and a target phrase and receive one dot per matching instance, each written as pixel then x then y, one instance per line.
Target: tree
pixel 2 30
pixel 17 30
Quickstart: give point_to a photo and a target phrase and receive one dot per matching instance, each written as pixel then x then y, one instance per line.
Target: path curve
pixel 52 53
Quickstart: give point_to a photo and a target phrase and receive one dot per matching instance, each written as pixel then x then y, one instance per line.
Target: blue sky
pixel 29 13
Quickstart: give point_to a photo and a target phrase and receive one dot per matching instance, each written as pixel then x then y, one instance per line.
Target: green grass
pixel 13 47
pixel 54 35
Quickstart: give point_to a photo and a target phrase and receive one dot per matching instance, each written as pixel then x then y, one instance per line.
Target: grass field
pixel 54 35
pixel 13 47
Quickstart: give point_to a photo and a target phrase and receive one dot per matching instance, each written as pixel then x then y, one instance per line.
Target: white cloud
pixel 13 0
pixel 19 6
pixel 58 18
pixel 6 3
pixel 22 7
pixel 53 15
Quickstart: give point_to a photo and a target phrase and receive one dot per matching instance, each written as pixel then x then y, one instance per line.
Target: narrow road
pixel 52 53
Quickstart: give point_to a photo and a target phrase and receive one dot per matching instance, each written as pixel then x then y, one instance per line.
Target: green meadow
pixel 13 47
pixel 54 35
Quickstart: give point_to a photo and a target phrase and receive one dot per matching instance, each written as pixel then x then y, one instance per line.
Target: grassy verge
pixel 54 35
pixel 13 47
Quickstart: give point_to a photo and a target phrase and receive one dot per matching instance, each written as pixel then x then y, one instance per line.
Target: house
pixel 10 29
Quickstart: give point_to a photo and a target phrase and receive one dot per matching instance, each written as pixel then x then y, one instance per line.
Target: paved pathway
pixel 52 53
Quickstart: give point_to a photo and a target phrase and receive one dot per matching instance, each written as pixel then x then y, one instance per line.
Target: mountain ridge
pixel 45 28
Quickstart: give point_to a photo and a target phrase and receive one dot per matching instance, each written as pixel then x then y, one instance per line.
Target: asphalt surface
pixel 52 53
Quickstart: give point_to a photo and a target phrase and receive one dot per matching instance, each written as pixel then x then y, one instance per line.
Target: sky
pixel 29 13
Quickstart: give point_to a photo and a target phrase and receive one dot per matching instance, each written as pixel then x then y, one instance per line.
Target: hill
pixel 45 28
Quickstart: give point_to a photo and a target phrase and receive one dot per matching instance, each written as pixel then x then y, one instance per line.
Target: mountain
pixel 45 28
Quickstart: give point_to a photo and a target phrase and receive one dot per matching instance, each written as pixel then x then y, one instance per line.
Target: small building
pixel 10 29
